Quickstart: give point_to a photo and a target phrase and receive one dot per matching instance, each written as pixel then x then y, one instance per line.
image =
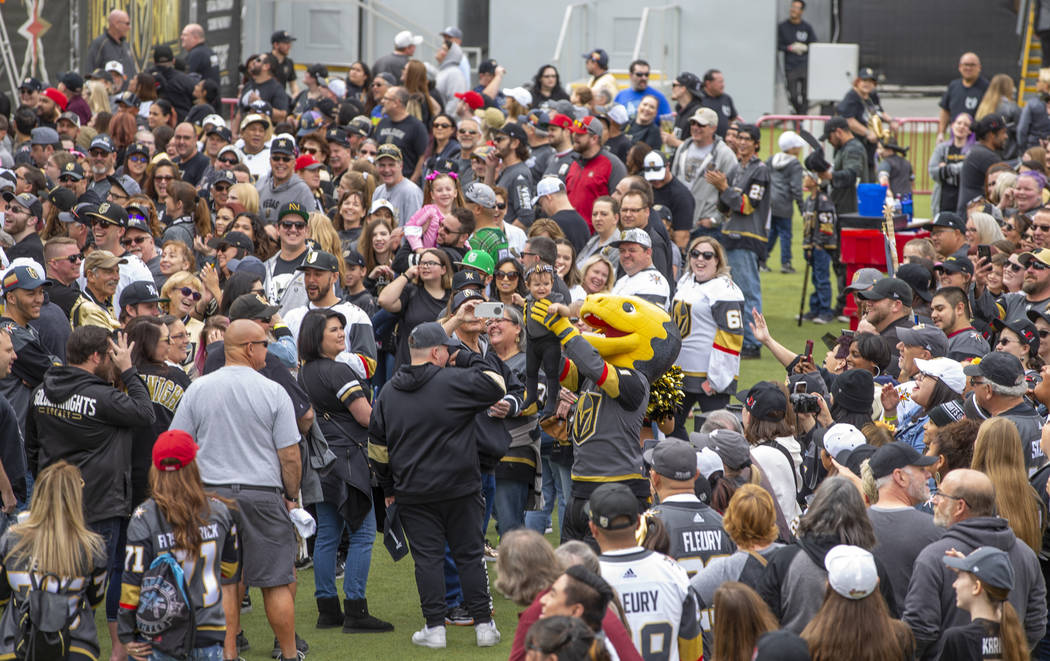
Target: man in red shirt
pixel 594 173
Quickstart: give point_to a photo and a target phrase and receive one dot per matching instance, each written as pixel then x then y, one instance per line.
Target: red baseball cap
pixel 564 121
pixel 472 98
pixel 58 97
pixel 173 444
pixel 306 162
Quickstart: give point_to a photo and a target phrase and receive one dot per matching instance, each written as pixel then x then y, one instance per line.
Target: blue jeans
pixel 358 558
pixel 557 486
pixel 114 535
pixel 488 490
pixel 780 227
pixel 510 500
pixel 212 653
pixel 820 299
pixel 744 270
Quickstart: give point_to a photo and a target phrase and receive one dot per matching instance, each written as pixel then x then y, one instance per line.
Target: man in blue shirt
pixel 639 89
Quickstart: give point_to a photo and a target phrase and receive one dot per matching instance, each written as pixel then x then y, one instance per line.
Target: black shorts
pixel 266 535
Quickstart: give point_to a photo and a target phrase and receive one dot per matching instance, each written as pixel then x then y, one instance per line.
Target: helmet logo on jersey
pixel 585 421
pixel 682 314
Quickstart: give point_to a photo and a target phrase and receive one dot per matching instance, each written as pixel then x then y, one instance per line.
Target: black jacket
pixel 175 87
pixel 422 440
pixel 76 416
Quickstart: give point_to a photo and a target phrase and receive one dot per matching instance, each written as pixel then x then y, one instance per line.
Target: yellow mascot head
pixel 632 333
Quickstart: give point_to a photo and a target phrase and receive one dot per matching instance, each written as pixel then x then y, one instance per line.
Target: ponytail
pixel 597 651
pixel 1011 635
pixel 202 217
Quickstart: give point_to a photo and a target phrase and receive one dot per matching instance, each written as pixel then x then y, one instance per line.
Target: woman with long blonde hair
pixel 197 528
pixel 54 539
pixel 998 453
pixel 245 195
pixel 324 235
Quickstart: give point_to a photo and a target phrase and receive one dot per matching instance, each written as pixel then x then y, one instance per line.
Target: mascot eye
pixel 628 307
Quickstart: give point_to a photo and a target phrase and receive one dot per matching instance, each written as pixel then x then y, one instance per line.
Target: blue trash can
pixel 871 198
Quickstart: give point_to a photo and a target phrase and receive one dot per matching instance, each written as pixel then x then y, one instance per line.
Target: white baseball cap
pixel 654 167
pixel 113 65
pixel 851 571
pixel 790 140
pixel 842 438
pixel 405 38
pixel 214 120
pixel 548 186
pixel 519 94
pixel 947 370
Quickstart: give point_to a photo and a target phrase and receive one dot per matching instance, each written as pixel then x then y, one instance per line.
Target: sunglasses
pixel 163 177
pixel 706 254
pixel 1041 228
pixel 1016 268
pixel 98 153
pixel 640 74
pixel 299 225
pixel 1008 228
pixel 506 275
pixel 227 161
pixel 468 131
pixel 221 188
pixel 68 179
pixel 138 240
pixel 281 159
pixel 186 291
pixel 501 205
pixel 442 125
pixel 309 151
pixel 77 258
pixel 1037 265
pixel 1044 334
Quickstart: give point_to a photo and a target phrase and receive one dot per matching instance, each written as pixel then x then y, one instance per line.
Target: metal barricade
pixel 919 134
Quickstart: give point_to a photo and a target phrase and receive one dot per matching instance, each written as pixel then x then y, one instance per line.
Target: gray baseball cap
pixel 865 279
pixel 44 135
pixel 480 194
pixel 988 564
pixel 731 446
pixel 125 183
pixel 673 458
pixel 928 337
pixel 430 334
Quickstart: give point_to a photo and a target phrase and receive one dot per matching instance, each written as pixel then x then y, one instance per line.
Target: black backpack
pixel 43 620
pixel 165 614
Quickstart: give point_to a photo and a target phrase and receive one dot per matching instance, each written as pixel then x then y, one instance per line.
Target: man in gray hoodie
pixel 965 505
pixel 450 80
pixel 693 158
pixel 282 185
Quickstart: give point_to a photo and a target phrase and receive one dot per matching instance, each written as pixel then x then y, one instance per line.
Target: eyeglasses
pixel 641 74
pixel 442 125
pixel 501 205
pixel 506 275
pixel 941 494
pixel 1044 333
pixel 186 291
pixel 179 336
pixel 1041 228
pixel 1003 341
pixel 468 131
pixel 706 254
pixel 163 177
pixel 298 225
pixel 526 253
pixel 431 264
pixel 281 159
pixel 138 240
pixel 227 161
pixel 309 150
pixel 220 188
pixel 1016 268
pixel 72 259
pixel 264 343
pixel 976 381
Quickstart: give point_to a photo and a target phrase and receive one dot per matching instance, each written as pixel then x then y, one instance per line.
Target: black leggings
pixel 707 403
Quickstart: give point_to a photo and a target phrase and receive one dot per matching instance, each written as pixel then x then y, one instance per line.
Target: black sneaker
pixel 750 353
pixel 305 563
pixel 763 268
pixel 301 647
pixel 787 268
pixel 246 603
pixel 242 642
pixel 458 616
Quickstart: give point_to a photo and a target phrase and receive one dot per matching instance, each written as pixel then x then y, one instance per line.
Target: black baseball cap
pixel 162 54
pixel 319 260
pixel 867 73
pixel 293 208
pixel 465 295
pixel 1024 329
pixel 834 124
pixel 111 213
pixel 953 264
pixel 949 219
pixel 487 66
pixel 31 84
pixel 283 146
pixel 430 334
pixel 514 130
pixel 898 454
pixel 673 458
pixel 281 36
pixel 337 135
pixel 353 258
pixel 764 401
pixel 236 239
pixel 988 124
pixel 612 506
pixel 918 278
pixel 893 288
pixel 72 169
pixel 947 413
pixel 252 306
pixel 999 367
pixel 751 131
pixel 467 278
pixel 691 82
pixel 141 291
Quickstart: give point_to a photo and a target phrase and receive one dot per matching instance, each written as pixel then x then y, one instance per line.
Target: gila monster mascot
pixel 611 371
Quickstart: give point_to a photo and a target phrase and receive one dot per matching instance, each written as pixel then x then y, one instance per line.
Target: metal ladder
pixel 1031 57
pixel 7 57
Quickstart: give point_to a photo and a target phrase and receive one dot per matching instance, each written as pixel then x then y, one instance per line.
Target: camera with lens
pixel 804 402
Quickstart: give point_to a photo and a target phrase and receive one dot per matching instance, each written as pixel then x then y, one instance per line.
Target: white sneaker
pixel 433 637
pixel 487 634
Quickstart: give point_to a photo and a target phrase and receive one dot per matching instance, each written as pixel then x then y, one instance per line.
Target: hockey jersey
pixel 710 316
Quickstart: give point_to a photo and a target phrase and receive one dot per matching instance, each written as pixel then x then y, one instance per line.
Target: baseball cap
pixel 867 73
pixel 128 98
pixel 864 279
pixel 488 66
pixel 62 198
pixel 284 146
pixel 214 120
pixel 897 454
pixel 281 36
pixel 389 150
pixel 480 194
pixel 70 117
pixel 254 117
pixel 31 84
pixel 318 70
pixel 832 125
pixel 293 208
pixel 319 260
pixel 464 295
pixel 841 439
pixel 854 391
pixel 731 447
pixel 405 38
pixel 337 135
pixel 173 444
pixel 103 142
pixel 471 98
pixel 111 213
pixel 102 259
pixel 140 291
pixel 599 56
pixel 613 506
pixel 44 135
pixel 673 458
pixel 589 124
pixel 24 277
pixel 430 334
pixel 1042 255
pixel 653 166
pixel 78 214
pixel 162 53
pixel 309 122
pixel 72 170
pixel 988 564
pixel 1023 328
pixel 781 645
pixel 307 162
pixel 764 401
pixel 988 124
pixel 513 130
pixel 233 239
pixel 360 125
pixel 949 219
pixel 27 200
pixel 60 99
pixel 452 31
pixel 114 65
pixel 380 203
pixel 1035 314
pixel 467 278
pixel 705 117
pixel 892 288
pixel 548 186
pixel 947 413
pixel 353 258
pixel 691 82
pixel 138 220
pixel 918 278
pixel 851 571
pixel 790 140
pixel 953 264
pixel 926 336
pixel 519 94
pixel 252 306
pixel 249 264
pixel 224 133
pixel 223 177
pixel 634 235
pixel 562 121
pixel 616 114
pixel 124 183
pixel 478 259
pixel 999 367
pixel 947 371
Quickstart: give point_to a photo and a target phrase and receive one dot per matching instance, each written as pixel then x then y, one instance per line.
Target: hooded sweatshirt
pixel 930 606
pixel 273 197
pixel 450 80
pixel 77 416
pixel 421 440
pixel 785 183
pixel 795 581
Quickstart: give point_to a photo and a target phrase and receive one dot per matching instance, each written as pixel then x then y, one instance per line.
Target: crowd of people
pixel 237 343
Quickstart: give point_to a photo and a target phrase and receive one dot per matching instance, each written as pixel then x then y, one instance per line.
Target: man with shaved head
pixel 246 429
pixel 112 45
pixel 965 505
pixel 194 164
pixel 963 93
pixel 200 59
